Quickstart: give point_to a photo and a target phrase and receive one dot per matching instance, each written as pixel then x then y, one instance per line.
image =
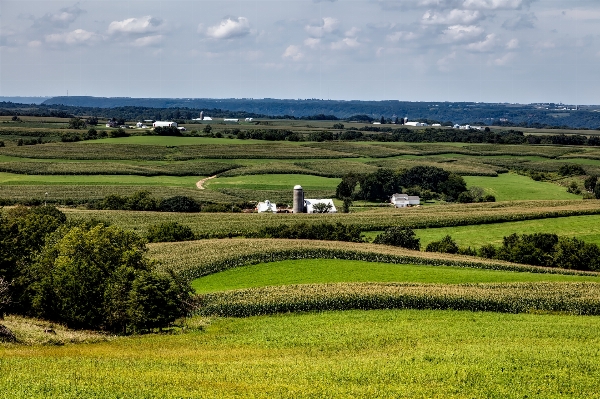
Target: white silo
pixel 298 206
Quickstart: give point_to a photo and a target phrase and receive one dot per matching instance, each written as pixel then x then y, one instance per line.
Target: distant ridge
pixel 24 100
pixel 514 115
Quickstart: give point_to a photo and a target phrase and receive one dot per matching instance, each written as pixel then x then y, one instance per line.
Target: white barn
pixel 405 200
pixel 266 206
pixel 310 203
pixel 164 124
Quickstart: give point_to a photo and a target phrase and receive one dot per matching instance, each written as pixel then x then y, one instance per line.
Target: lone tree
pixel 399 237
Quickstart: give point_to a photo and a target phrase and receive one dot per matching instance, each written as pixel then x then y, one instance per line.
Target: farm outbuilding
pixel 309 205
pixel 266 206
pixel 405 200
pixel 164 124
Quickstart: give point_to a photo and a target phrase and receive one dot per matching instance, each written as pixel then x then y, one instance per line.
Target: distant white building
pixel 415 124
pixel 248 119
pixel 164 124
pixel 309 205
pixel 139 125
pixel 405 200
pixel 231 120
pixel 266 206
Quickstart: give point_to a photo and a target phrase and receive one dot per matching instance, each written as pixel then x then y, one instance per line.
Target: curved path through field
pixel 200 183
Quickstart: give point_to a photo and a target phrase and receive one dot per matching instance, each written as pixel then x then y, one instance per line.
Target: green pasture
pixel 374 354
pixel 513 187
pixel 274 182
pixel 586 228
pixel 19 179
pixel 316 271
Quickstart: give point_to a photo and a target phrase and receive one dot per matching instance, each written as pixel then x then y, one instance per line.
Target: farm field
pixel 380 353
pixel 274 182
pixel 19 179
pixel 513 187
pixel 586 228
pixel 337 271
pixel 373 219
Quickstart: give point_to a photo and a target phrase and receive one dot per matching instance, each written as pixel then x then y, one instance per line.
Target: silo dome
pixel 297 187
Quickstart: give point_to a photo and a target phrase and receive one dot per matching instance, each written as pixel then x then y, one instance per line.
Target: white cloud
pixel 401 36
pixel 461 33
pixel 546 45
pixel 495 4
pixel 505 59
pixel 454 17
pixel 142 25
pixel 487 44
pixel 229 29
pixel 326 25
pixel 312 42
pixel 34 44
pixel 352 32
pixel 512 44
pixel 145 41
pixel 293 52
pixel 348 42
pixel 524 21
pixel 78 36
pixel 61 19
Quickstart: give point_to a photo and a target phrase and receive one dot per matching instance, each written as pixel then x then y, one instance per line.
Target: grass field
pixel 375 354
pixel 513 187
pixel 585 228
pixel 335 270
pixel 274 182
pixel 172 141
pixel 19 179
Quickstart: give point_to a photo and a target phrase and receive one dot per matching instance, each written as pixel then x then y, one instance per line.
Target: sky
pixel 516 51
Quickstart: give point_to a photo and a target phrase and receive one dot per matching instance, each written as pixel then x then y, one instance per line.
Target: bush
pixel 570 170
pixel 323 231
pixel 141 201
pixel 179 203
pixel 445 245
pixel 169 232
pixel 465 197
pixel 118 133
pixel 399 237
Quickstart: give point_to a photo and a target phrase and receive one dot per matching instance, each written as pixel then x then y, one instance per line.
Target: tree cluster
pixel 322 231
pixel 425 181
pixel 86 275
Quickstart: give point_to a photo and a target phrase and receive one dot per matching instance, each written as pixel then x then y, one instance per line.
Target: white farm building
pixel 266 206
pixel 405 200
pixel 164 124
pixel 309 205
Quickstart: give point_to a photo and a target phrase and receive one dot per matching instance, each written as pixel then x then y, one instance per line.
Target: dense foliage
pixel 425 181
pixel 399 237
pixel 86 275
pixel 322 231
pixel 169 231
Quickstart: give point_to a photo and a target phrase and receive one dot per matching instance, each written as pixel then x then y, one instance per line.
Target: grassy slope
pixel 586 228
pixel 335 270
pixel 177 141
pixel 513 187
pixel 389 353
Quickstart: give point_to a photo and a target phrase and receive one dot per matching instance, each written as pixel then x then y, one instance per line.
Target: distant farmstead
pixel 405 200
pixel 266 206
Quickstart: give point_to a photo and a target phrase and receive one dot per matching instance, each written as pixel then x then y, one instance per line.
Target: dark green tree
pixel 445 245
pixel 398 236
pixel 590 183
pixel 379 186
pixel 169 232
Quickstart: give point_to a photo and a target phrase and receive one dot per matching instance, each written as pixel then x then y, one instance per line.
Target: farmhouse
pixel 164 124
pixel 312 205
pixel 405 200
pixel 266 206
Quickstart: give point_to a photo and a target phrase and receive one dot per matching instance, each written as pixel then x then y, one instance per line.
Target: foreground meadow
pixel 376 354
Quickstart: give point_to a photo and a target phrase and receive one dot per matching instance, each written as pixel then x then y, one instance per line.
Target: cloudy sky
pixel 411 50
